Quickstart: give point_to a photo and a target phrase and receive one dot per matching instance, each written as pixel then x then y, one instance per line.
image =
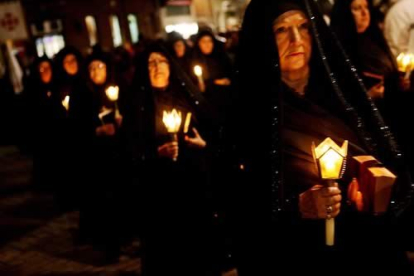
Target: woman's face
pixel 362 17
pixel 294 41
pixel 45 71
pixel 70 64
pixel 206 44
pixel 97 72
pixel 179 48
pixel 159 70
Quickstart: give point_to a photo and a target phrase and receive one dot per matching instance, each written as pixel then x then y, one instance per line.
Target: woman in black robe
pixel 356 27
pixel 42 111
pixel 279 208
pixel 174 197
pixel 209 53
pixel 73 129
pixel 180 51
pixel 98 222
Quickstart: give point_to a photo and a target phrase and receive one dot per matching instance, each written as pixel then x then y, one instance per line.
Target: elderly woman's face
pixel 45 71
pixel 293 39
pixel 97 72
pixel 362 17
pixel 159 70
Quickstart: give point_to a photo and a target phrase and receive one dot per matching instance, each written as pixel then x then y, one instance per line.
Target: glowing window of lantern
pixel 330 158
pixel 92 30
pixel 116 30
pixel 133 27
pixel 331 164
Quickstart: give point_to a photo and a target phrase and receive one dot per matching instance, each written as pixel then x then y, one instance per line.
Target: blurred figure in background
pixel 42 122
pixel 209 54
pixel 180 51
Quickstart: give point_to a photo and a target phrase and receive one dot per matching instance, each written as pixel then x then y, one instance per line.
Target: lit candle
pixel 405 63
pixel 65 103
pixel 172 121
pixel 187 122
pixel 112 92
pixel 198 71
pixel 330 160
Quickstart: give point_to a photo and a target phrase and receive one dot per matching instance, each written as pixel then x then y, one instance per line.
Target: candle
pixel 405 63
pixel 65 103
pixel 112 92
pixel 198 71
pixel 187 122
pixel 330 232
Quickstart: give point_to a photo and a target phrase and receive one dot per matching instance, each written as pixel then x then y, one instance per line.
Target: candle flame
pixel 198 71
pixel 172 120
pixel 405 62
pixel 112 92
pixel 65 103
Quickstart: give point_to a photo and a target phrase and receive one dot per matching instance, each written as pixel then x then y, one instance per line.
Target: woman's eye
pixel 304 26
pixel 280 30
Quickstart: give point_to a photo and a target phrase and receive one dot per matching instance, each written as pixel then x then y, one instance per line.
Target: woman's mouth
pixel 295 54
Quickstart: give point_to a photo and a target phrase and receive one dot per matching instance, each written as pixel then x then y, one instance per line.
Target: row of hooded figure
pixel 98 138
pixel 156 161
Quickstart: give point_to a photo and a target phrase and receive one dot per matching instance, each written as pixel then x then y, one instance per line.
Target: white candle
pixel 198 71
pixel 330 223
pixel 330 231
pixel 187 122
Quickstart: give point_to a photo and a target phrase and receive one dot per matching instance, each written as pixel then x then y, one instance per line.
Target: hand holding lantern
pixel 330 160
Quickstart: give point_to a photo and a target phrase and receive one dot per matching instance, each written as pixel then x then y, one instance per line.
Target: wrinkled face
pixel 179 48
pixel 294 41
pixel 97 72
pixel 362 17
pixel 45 71
pixel 159 70
pixel 70 64
pixel 206 45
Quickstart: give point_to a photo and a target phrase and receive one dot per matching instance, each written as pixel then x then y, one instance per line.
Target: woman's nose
pixel 295 36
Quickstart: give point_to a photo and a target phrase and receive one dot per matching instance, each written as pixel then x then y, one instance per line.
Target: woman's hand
pixel 197 141
pixel 169 150
pixel 105 130
pixel 320 202
pixel 224 82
